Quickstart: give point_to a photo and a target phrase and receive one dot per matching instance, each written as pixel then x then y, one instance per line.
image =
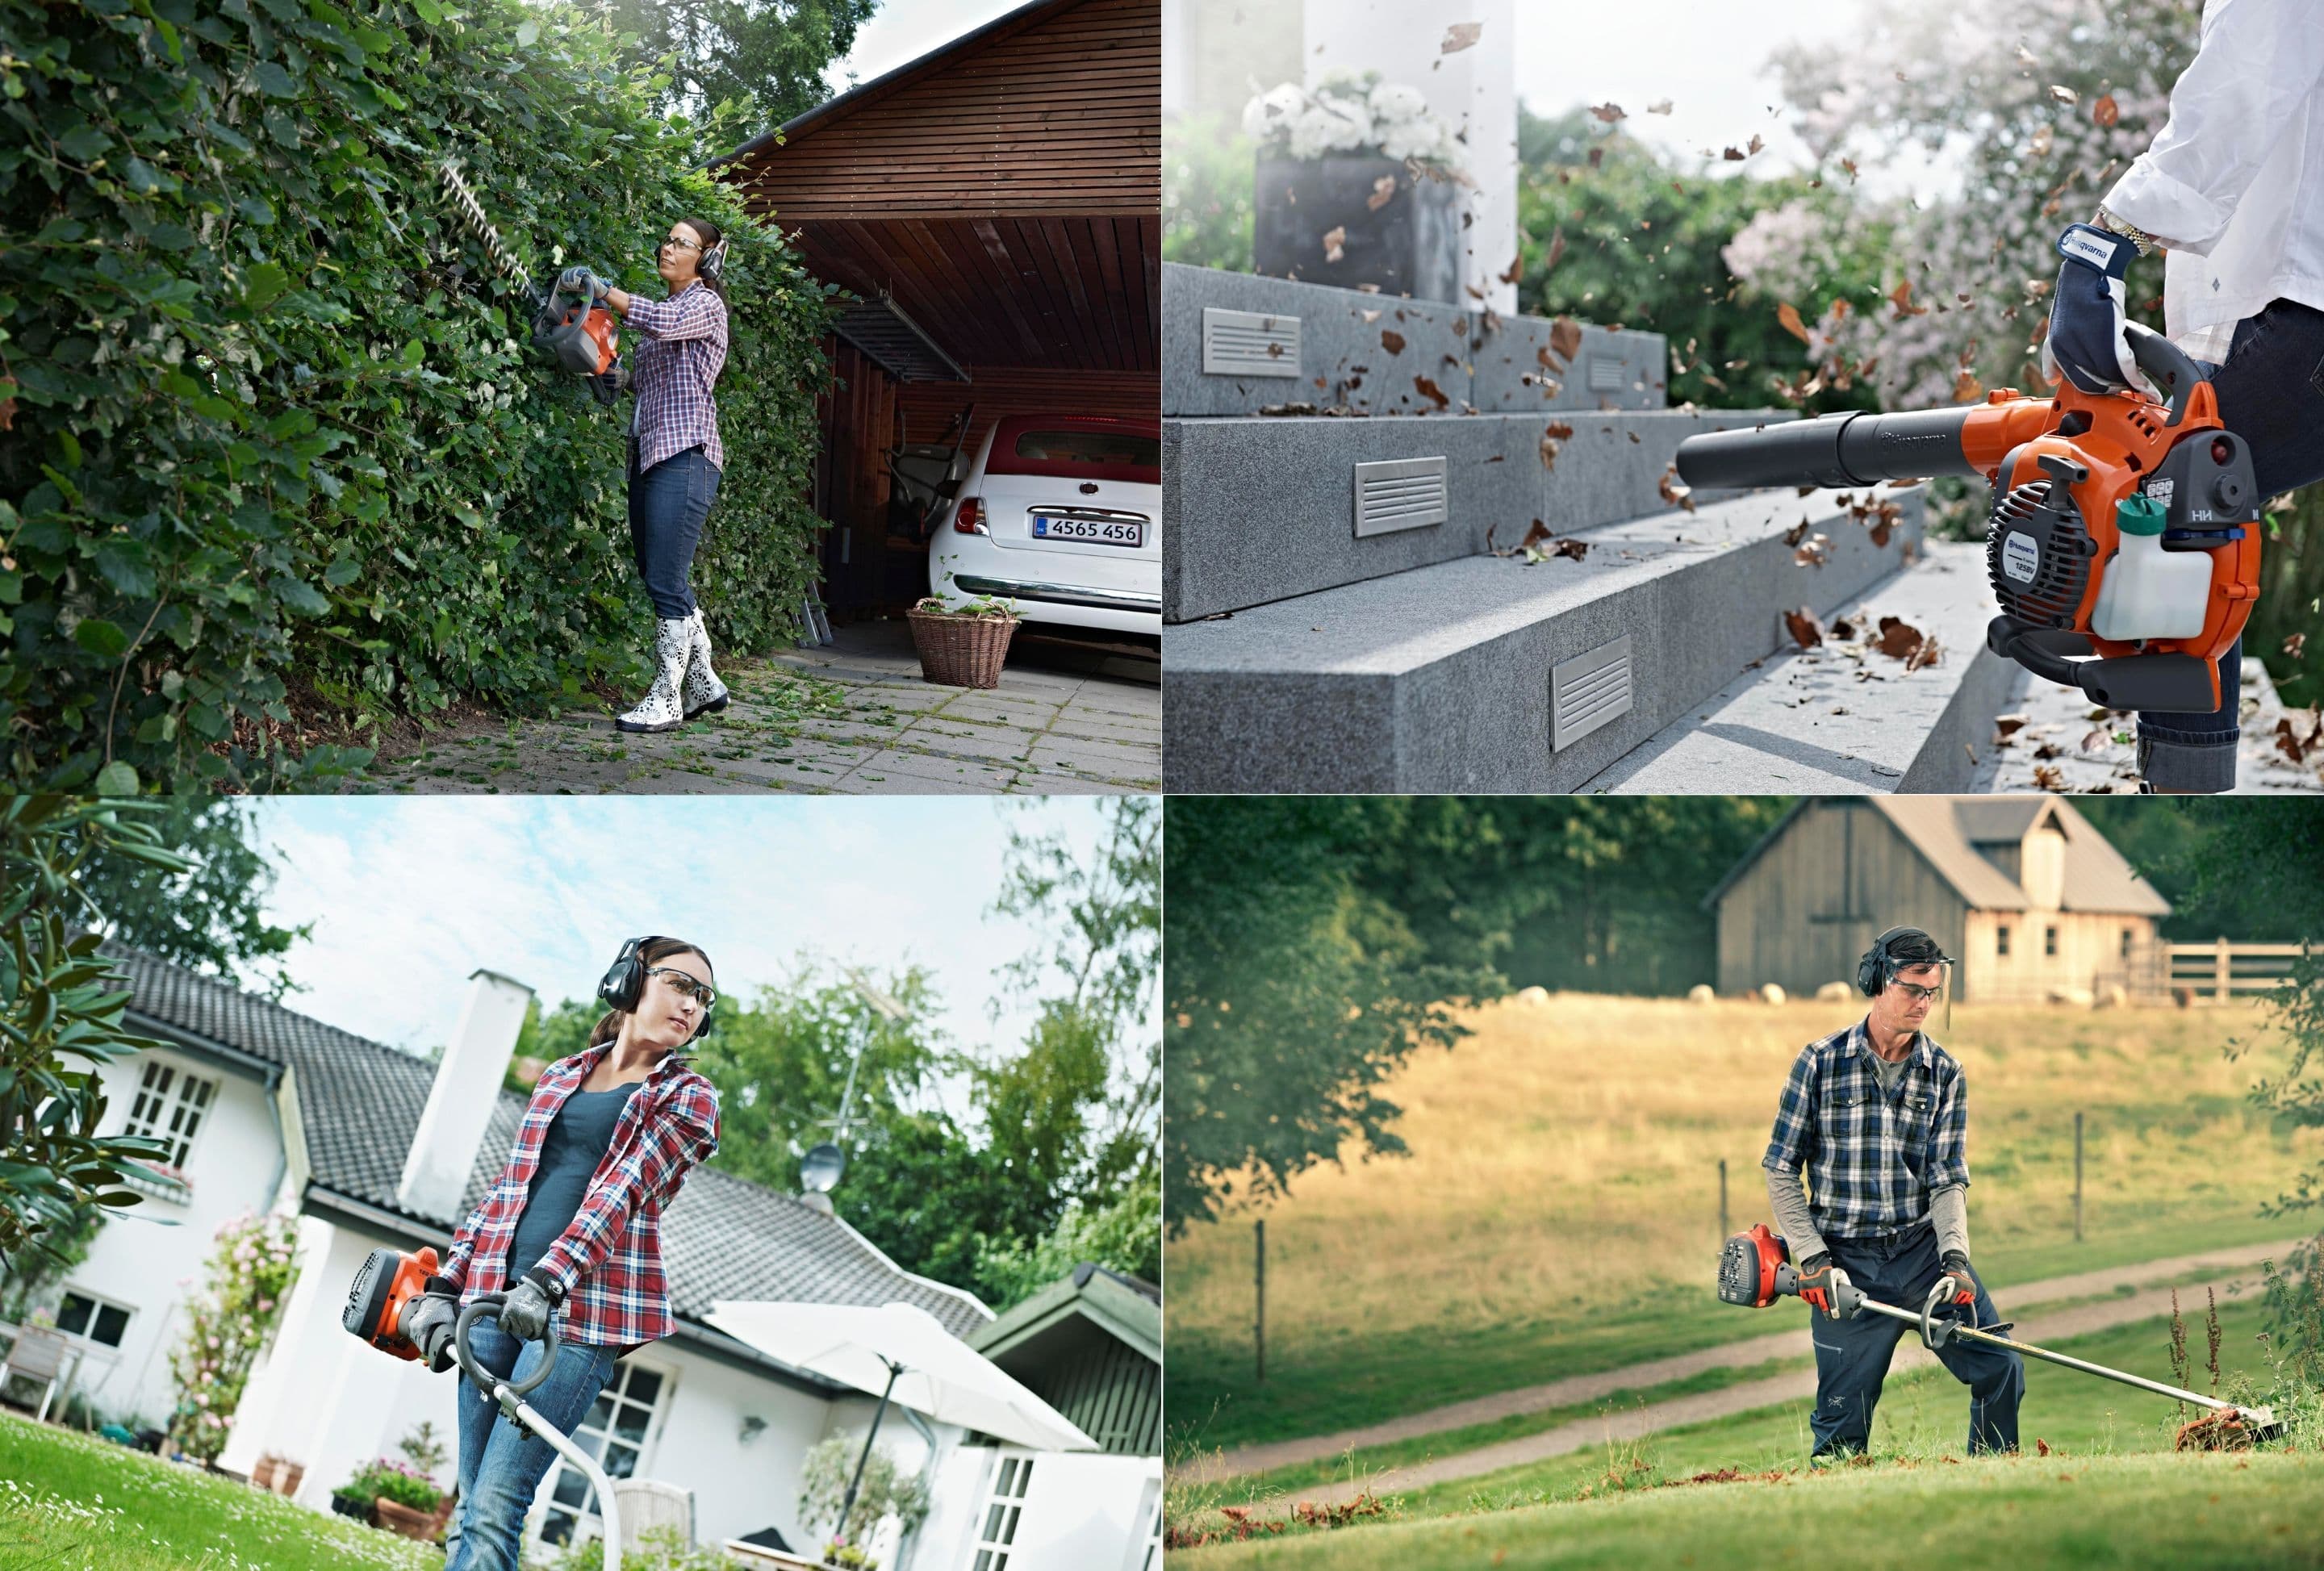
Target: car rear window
pixel 1096 455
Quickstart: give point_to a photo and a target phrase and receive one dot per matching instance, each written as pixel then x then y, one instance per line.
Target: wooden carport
pixel 996 208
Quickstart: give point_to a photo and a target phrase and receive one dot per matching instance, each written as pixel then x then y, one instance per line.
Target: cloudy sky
pixel 901 30
pixel 408 896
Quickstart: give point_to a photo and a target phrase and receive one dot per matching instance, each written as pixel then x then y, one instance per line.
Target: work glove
pixel 2086 344
pixel 580 280
pixel 428 1324
pixel 1822 1284
pixel 525 1313
pixel 1957 1289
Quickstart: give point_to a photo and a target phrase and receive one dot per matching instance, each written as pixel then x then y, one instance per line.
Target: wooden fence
pixel 2218 972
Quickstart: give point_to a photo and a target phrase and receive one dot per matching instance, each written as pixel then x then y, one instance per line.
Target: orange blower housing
pixel 386 1285
pixel 2060 467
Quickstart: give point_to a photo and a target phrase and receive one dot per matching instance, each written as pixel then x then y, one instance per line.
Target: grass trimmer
pixel 2124 527
pixel 569 327
pixel 1755 1270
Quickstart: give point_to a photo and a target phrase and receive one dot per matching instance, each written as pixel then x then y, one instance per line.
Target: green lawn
pixel 73 1503
pixel 2168 1512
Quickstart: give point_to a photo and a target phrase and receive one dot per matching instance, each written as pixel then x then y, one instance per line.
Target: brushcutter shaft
pixel 2027 1349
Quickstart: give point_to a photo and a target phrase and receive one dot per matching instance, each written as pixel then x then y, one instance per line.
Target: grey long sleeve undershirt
pixel 1948 1210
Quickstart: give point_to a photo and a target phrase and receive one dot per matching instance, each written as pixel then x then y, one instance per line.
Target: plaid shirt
pixel 677 366
pixel 1871 1160
pixel 609 1259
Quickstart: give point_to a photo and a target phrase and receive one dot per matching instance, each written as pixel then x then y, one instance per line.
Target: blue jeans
pixel 668 504
pixel 502 1463
pixel 2271 392
pixel 1852 1355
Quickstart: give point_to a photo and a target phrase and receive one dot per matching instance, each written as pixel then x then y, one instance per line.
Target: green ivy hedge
pixel 279 439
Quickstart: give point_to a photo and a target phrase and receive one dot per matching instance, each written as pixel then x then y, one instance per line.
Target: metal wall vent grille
pixel 1605 374
pixel 1589 690
pixel 1399 493
pixel 1248 343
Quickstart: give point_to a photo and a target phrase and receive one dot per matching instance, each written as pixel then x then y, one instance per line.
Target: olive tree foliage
pixel 281 463
pixel 61 1017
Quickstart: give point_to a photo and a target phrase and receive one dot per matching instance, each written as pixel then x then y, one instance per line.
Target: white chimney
pixel 460 1103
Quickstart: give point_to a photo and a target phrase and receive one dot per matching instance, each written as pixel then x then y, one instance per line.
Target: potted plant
pixel 403 1499
pixel 963 646
pixel 1358 185
pixel 849 1557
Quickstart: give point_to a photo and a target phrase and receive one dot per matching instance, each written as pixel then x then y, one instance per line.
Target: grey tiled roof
pixel 724 1237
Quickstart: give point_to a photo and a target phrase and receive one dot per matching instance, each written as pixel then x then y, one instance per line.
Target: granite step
pixel 1845 718
pixel 1261 510
pixel 1488 673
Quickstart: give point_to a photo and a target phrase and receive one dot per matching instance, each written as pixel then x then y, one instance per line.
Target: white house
pixel 369 1146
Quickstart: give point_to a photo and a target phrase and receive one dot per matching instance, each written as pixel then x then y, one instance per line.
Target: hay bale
pixel 2073 997
pixel 1834 993
pixel 1770 993
pixel 1535 997
pixel 2114 995
pixel 1701 993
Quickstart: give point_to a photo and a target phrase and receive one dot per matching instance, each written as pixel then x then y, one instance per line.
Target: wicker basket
pixel 961 652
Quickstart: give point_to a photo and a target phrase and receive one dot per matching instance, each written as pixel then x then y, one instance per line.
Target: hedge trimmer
pixel 1755 1270
pixel 570 326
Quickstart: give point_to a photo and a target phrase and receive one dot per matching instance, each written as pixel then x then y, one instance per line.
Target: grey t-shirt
pixel 570 1151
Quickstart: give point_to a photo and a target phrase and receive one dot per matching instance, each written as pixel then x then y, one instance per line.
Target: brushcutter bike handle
pixel 485 1379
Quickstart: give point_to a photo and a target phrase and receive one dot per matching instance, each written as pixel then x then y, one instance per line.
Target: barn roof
pixel 360 1101
pixel 1946 832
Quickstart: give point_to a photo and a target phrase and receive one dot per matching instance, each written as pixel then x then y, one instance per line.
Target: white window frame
pixel 99 1302
pixel 1146 1554
pixel 164 1103
pixel 589 1522
pixel 1001 1512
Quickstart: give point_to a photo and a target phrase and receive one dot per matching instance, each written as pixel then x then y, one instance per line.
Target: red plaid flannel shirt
pixel 676 367
pixel 609 1259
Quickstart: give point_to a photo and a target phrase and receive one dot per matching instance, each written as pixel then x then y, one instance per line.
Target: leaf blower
pixel 577 335
pixel 2123 544
pixel 1755 1270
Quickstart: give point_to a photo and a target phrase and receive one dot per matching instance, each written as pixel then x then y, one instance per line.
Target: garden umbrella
pixel 904 1353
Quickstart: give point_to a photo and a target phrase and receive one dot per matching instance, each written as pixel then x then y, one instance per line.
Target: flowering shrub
pixel 232 1317
pixel 1347 113
pixel 385 1479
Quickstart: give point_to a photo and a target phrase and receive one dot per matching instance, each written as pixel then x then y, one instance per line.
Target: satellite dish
pixel 820 1169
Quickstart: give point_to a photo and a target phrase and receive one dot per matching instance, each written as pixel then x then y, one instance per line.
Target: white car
pixel 1061 515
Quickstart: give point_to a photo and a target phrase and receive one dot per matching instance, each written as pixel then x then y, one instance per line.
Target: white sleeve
pixel 2258 61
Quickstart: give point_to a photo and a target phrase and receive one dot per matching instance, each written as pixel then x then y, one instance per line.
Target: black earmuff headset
pixel 714 260
pixel 624 981
pixel 1879 968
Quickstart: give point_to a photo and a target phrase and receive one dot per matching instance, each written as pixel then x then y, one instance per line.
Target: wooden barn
pixel 995 207
pixel 2022 890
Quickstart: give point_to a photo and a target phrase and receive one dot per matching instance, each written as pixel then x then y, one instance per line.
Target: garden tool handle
pixel 2166 364
pixel 486 1380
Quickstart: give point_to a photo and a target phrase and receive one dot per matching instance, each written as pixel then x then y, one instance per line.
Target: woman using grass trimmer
pixel 572 1229
pixel 1875 1118
pixel 676 459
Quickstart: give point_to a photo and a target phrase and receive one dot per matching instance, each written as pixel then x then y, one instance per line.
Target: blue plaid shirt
pixel 1871 1160
pixel 676 365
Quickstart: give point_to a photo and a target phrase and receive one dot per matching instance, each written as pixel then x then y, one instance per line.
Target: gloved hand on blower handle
pixel 2085 343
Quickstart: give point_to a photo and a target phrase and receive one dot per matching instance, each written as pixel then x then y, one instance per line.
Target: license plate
pixel 1110 532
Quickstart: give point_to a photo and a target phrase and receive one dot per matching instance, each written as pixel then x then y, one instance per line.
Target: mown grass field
pixel 73 1503
pixel 1559 1212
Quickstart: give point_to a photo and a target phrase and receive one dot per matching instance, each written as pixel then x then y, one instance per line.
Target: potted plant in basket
pixel 1358 185
pixel 962 645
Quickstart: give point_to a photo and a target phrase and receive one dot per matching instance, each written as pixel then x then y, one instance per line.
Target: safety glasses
pixel 681 242
pixel 703 992
pixel 1918 991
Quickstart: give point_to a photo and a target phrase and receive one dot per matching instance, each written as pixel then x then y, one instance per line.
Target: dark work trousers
pixel 1852 1355
pixel 2270 391
pixel 668 504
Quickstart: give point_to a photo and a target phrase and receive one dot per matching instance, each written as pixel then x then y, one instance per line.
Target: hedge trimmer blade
pixel 472 214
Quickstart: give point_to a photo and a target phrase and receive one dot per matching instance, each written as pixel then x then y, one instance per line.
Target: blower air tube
pixel 1855 448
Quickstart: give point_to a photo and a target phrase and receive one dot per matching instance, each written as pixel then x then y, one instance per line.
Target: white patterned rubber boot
pixel 705 693
pixel 661 708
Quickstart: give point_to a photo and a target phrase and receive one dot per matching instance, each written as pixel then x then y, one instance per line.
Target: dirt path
pixel 1637 1420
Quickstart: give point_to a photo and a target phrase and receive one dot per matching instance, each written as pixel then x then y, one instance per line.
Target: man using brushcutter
pixel 1875 1119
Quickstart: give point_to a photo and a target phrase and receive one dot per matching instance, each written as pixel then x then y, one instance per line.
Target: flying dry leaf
pixel 1849 165
pixel 1566 337
pixel 1608 112
pixel 1674 493
pixel 1460 35
pixel 1842 628
pixel 1816 553
pixel 1967 388
pixel 2040 145
pixel 1734 155
pixel 1514 270
pixel 1556 249
pixel 7 414
pixel 2295 742
pixel 1383 193
pixel 1805 630
pixel 1597 157
pixel 2005 726
pixel 1839 308
pixel 2049 777
pixel 1391 340
pixel 1901 297
pixel 2295 646
pixel 1923 654
pixel 1535 535
pixel 1788 315
pixel 1755 143
pixel 2066 95
pixel 1552 440
pixel 1369 317
pixel 1659 107
pixel 1897 638
pixel 1336 243
pixel 1430 391
pixel 1798 532
pixel 1573 550
pixel 2026 58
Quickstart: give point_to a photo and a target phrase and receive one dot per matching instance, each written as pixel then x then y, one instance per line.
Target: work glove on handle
pixel 580 280
pixel 2086 344
pixel 428 1324
pixel 1957 1289
pixel 525 1313
pixel 1821 1283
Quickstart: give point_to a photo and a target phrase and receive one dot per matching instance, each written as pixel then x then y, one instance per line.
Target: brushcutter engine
pixel 1755 1270
pixel 386 1285
pixel 2124 539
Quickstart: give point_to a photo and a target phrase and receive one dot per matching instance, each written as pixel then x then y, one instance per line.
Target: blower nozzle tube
pixel 1853 448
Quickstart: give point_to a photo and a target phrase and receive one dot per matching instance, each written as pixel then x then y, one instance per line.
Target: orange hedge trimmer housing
pixel 2061 467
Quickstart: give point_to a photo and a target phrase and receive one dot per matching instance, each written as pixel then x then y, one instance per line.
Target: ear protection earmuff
pixel 1879 968
pixel 625 983
pixel 714 260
